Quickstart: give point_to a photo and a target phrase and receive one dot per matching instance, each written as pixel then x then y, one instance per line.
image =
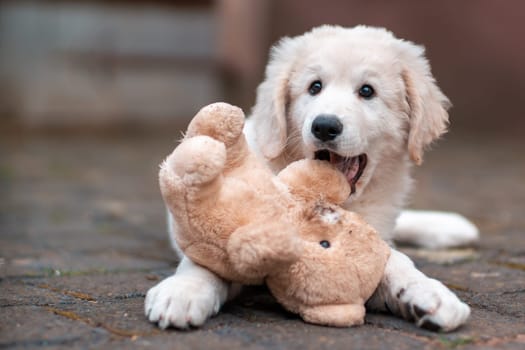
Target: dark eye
pixel 366 91
pixel 325 244
pixel 315 87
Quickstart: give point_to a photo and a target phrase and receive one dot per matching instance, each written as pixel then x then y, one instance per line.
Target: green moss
pixel 455 343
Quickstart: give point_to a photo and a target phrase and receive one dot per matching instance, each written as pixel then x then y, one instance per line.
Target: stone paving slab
pixel 34 326
pixel 82 238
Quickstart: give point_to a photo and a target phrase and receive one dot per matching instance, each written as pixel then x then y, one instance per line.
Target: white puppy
pixel 366 102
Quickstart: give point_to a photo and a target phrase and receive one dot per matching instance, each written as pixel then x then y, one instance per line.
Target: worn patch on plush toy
pixel 328 215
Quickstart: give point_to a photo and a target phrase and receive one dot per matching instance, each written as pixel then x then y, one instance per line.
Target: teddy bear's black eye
pixel 315 87
pixel 366 91
pixel 325 244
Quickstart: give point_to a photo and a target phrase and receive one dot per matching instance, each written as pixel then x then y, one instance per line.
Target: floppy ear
pixel 272 99
pixel 427 104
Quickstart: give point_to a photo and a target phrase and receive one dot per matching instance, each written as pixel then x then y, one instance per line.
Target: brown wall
pixel 476 48
pixel 132 61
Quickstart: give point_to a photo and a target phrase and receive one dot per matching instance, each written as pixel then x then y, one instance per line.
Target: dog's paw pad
pixel 431 326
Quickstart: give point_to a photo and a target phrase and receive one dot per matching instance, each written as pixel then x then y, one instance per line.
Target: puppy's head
pixel 349 96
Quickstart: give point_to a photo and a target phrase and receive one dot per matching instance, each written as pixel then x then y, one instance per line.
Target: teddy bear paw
pixel 197 160
pixel 221 121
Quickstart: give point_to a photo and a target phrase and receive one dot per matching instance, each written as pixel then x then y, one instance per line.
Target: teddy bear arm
pixel 196 165
pixel 340 315
pixel 257 249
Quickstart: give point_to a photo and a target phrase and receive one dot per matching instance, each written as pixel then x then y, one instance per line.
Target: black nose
pixel 326 127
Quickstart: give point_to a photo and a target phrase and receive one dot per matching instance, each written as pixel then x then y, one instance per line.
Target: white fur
pixel 404 289
pixel 434 230
pixel 393 128
pixel 188 298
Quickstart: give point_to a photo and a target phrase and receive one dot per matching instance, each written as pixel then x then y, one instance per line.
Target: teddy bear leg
pixel 344 315
pixel 220 121
pixel 196 161
pixel 194 167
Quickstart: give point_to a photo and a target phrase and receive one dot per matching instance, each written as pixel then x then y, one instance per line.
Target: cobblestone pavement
pixel 82 238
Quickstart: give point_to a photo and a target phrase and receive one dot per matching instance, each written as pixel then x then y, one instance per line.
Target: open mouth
pixel 351 167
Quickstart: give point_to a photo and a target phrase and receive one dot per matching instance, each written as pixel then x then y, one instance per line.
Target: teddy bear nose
pixel 325 244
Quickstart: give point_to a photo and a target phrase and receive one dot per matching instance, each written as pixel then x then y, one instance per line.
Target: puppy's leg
pixel 188 298
pixel 407 292
pixel 434 230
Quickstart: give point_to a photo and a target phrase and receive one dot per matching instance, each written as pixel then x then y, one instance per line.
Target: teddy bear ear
pixel 312 180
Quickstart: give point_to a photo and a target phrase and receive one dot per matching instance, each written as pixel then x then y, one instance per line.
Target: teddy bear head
pixel 324 262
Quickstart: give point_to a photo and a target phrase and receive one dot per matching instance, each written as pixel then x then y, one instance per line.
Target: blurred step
pixel 91 63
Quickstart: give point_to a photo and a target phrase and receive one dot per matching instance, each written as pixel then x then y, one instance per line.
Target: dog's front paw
pixel 182 301
pixel 432 305
pixel 407 292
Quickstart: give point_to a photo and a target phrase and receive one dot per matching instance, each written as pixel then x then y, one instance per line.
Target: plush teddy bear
pixel 239 220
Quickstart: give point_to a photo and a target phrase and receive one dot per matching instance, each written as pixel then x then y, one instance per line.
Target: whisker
pixel 293 148
pixel 181 137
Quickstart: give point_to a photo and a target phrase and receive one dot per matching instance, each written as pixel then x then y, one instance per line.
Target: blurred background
pixel 94 94
pixel 102 65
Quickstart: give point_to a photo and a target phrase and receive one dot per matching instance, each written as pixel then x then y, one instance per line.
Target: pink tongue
pixel 353 168
pixel 348 166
